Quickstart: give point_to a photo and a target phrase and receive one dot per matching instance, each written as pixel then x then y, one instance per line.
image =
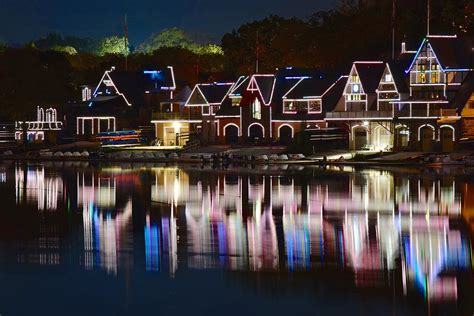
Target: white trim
pixel 248 129
pixel 258 88
pixel 196 87
pixel 172 77
pixel 237 85
pixel 107 73
pixel 292 88
pixel 359 125
pixel 232 124
pixel 426 125
pixel 292 130
pixel 447 126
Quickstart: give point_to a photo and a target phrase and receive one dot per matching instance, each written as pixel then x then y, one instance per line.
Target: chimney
pixel 404 48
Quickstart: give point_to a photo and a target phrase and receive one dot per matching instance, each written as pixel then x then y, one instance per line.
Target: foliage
pixel 69 50
pixel 113 45
pixel 81 45
pixel 175 37
pixel 31 77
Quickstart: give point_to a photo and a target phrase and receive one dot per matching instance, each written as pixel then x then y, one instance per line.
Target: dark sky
pixel 22 20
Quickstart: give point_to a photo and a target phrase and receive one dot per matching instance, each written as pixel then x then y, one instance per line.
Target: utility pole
pixel 428 17
pixel 257 54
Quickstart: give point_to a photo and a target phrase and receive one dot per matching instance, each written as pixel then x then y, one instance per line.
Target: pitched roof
pixel 265 85
pixel 311 87
pixel 334 93
pixel 239 87
pixel 464 92
pixel 181 97
pixel 397 69
pixel 370 74
pixel 132 85
pixel 209 94
pixel 451 51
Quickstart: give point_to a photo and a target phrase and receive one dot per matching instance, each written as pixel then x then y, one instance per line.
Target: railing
pixel 418 113
pixel 359 114
pixel 425 113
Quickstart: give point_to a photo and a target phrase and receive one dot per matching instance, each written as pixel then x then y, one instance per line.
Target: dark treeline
pixel 50 70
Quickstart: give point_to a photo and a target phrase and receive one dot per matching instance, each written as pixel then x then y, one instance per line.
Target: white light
pixel 176 126
pixel 366 123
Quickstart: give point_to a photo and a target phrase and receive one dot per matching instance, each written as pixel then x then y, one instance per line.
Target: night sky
pixel 23 20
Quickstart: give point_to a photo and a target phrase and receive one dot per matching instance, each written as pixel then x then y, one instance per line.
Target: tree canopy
pixel 175 37
pixel 113 45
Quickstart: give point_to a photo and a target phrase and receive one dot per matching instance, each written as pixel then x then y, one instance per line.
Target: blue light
pixel 154 74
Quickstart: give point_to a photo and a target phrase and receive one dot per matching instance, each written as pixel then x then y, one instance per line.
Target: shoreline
pixel 303 162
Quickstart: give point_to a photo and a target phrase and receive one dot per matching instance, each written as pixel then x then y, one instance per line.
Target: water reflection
pixel 390 230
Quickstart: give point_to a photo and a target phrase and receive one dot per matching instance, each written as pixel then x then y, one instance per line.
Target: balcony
pixel 415 114
pixel 359 115
pixel 176 116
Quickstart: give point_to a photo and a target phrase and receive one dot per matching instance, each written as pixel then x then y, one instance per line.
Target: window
pixel 205 110
pixel 236 101
pixel 295 106
pixel 435 73
pixel 314 106
pixel 355 79
pixel 388 78
pixel 257 109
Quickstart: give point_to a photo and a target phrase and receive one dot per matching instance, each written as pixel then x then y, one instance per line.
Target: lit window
pixel 289 106
pixel 257 109
pixel 236 101
pixel 295 106
pixel 314 106
pixel 388 78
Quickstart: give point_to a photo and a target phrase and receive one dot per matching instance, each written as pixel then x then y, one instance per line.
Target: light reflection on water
pixel 391 230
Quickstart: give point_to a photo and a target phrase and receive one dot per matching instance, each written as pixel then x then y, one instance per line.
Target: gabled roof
pixel 264 85
pixel 397 69
pixel 332 95
pixel 464 93
pixel 209 94
pixel 370 73
pixel 133 85
pixel 453 53
pixel 181 97
pixel 312 87
pixel 239 87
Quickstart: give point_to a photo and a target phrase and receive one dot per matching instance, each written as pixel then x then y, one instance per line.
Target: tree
pixel 274 42
pixel 175 37
pixel 69 50
pixel 113 45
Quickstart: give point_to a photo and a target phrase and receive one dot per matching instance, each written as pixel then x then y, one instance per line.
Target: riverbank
pixel 254 155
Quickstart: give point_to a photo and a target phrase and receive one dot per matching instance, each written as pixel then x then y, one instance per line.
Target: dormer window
pixel 257 109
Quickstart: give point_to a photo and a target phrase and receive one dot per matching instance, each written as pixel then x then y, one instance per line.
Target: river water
pixel 113 239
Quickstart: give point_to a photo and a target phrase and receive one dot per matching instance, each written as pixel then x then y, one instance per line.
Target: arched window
pixel 257 109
